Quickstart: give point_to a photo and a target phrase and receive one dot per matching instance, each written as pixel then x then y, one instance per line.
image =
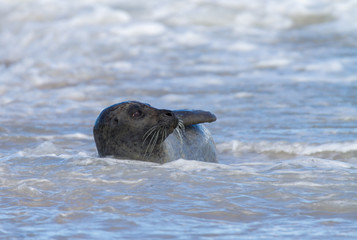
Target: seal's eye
pixel 136 114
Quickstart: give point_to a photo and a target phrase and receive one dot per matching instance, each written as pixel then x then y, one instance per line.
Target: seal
pixel 138 131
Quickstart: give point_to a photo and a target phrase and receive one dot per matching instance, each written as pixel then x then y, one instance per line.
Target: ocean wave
pixel 237 147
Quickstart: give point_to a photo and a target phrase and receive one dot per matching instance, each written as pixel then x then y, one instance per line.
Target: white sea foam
pixel 44 149
pixel 190 39
pixel 243 95
pixel 100 15
pixel 192 165
pixel 311 163
pixel 243 47
pixel 198 82
pixel 332 66
pixel 238 147
pixel 79 136
pixel 140 29
pixel 273 63
pixel 174 98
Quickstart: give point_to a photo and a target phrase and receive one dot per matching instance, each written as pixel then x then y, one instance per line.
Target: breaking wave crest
pixel 238 147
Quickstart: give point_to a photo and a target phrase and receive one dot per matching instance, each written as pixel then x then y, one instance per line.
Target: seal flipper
pixel 191 117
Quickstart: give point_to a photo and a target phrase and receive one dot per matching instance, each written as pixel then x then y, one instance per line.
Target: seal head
pixel 134 130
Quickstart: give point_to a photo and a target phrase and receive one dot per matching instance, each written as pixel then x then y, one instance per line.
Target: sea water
pixel 279 75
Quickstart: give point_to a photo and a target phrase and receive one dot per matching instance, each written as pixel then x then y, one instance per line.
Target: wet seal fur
pixel 134 130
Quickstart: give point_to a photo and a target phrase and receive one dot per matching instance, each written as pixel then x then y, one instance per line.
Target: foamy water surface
pixel 280 76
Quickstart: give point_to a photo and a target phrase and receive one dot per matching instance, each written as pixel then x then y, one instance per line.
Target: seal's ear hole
pixel 116 121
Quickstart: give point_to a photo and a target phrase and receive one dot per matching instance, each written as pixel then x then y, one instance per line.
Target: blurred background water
pixel 279 75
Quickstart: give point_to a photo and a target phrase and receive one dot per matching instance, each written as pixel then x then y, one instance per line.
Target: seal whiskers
pixel 163 135
pixel 148 133
pixel 180 130
pixel 181 125
pixel 151 142
pixel 154 139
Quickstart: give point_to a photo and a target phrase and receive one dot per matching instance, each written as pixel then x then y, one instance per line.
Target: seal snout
pixel 169 118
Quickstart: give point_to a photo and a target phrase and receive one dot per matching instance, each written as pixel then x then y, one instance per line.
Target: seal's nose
pixel 169 119
pixel 168 113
